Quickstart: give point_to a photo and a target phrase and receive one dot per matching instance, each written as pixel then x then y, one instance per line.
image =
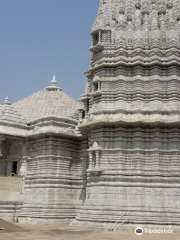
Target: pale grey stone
pixel 121 151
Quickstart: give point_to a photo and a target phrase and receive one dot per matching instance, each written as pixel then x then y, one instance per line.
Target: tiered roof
pixel 9 115
pixel 49 110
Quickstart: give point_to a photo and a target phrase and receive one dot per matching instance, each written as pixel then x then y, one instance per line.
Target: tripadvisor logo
pixel 139 231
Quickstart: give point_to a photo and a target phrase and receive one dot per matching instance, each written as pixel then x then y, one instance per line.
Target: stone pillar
pixel 90 160
pixel 109 37
pixel 23 166
pixel 92 40
pixel 3 162
pixel 80 114
pixel 87 86
pixel 9 168
pixel 86 107
pixel 99 86
pixel 1 140
pixel 97 158
pixel 99 36
pixel 23 161
pixel 93 88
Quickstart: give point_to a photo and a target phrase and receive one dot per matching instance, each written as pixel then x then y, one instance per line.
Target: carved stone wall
pixel 138 171
pixel 54 181
pixel 132 115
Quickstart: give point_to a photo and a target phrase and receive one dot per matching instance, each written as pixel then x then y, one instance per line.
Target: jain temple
pixel 85 164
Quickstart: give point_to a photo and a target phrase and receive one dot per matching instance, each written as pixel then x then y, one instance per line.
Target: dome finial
pixel 54 86
pixel 6 102
pixel 54 81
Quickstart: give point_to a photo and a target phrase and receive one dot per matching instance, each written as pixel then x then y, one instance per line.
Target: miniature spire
pixel 54 86
pixel 6 102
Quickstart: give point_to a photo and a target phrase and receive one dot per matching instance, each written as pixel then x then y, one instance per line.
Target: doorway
pixel 14 167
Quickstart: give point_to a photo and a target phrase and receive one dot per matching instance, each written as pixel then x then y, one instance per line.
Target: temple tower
pixel 132 122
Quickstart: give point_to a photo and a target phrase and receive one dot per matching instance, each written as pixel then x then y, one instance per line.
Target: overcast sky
pixel 40 38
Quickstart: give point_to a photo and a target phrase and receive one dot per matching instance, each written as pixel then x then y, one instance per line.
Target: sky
pixel 42 38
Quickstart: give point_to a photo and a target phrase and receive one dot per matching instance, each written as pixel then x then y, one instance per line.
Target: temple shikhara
pixel 85 164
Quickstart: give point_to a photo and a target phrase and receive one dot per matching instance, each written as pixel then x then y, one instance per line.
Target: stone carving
pixel 121 151
pixel 138 73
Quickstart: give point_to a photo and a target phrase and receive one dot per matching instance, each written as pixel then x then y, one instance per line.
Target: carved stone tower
pixel 132 122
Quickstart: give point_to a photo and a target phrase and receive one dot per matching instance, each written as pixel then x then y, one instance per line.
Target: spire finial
pixel 54 81
pixel 6 102
pixel 54 86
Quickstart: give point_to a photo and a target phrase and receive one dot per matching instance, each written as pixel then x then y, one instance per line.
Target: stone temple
pixel 87 164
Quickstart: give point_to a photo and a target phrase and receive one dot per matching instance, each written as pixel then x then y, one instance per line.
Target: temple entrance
pixel 14 167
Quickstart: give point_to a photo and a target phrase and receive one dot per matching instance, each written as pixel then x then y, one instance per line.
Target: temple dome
pixel 50 102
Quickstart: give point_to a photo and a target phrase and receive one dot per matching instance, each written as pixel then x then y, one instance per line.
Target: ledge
pixel 95 171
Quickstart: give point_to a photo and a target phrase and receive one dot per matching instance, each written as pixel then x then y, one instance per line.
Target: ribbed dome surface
pixel 47 103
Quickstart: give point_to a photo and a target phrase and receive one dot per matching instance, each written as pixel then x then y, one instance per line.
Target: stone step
pixel 9 227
